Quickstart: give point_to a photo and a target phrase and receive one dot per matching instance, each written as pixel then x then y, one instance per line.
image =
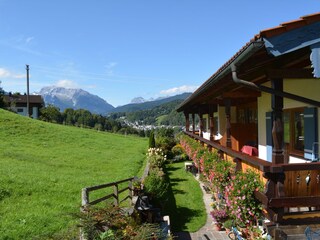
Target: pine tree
pixel 152 142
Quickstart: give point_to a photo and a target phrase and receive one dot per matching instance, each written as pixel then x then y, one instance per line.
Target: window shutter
pixel 310 134
pixel 269 123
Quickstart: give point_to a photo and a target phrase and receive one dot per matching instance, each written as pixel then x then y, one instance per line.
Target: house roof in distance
pixel 23 98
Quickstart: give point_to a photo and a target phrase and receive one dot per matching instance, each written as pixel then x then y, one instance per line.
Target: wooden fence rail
pixel 115 195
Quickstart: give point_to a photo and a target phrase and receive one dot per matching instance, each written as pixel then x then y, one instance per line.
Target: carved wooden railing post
pixel 238 167
pixel 275 189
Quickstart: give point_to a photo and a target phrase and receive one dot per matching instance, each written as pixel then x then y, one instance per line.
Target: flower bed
pixel 233 192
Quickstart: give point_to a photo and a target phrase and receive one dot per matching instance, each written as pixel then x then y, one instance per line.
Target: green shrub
pixel 113 223
pixel 156 157
pixel 156 185
pixel 177 150
pixel 152 141
pixel 165 140
pixel 228 224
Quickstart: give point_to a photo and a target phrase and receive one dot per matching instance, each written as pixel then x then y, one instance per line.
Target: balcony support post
pixel 186 114
pixel 277 129
pixel 193 124
pixel 228 122
pixel 201 123
pixel 212 109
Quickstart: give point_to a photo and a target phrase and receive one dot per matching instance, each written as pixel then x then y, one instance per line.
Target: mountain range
pixel 74 98
pixel 132 107
pixel 79 99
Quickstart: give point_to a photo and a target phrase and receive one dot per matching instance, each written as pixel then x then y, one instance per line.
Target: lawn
pixel 44 167
pixel 185 205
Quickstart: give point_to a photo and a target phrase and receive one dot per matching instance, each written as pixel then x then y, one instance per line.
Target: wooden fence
pixel 115 195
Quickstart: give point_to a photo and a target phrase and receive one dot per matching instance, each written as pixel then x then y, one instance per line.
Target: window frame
pixel 292 131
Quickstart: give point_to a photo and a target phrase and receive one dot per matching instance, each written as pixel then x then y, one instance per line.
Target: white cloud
pixel 5 73
pixel 29 39
pixel 110 66
pixel 178 90
pixel 65 83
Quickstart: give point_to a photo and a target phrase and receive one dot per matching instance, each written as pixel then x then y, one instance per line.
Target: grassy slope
pixel 185 207
pixel 44 167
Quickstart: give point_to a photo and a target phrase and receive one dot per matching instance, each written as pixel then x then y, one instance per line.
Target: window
pixel 293 121
pixel 205 125
pixel 20 110
pixel 247 114
pixel 215 124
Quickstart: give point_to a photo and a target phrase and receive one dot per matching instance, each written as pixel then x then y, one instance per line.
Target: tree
pixel 68 116
pixel 51 114
pixel 152 141
pixel 2 103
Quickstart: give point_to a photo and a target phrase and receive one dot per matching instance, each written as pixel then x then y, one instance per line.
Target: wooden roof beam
pixel 304 73
pixel 242 93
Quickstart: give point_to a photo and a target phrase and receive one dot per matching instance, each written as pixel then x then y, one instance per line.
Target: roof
pixel 288 26
pixel 23 98
pixel 256 42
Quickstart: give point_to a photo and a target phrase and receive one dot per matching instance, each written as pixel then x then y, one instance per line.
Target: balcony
pixel 292 191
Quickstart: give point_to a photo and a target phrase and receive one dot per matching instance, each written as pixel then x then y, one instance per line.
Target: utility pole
pixel 28 111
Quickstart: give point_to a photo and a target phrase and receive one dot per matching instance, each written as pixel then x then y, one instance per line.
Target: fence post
pixel 130 191
pixel 116 195
pixel 85 197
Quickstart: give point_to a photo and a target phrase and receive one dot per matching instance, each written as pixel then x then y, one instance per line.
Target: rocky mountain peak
pixel 74 98
pixel 138 100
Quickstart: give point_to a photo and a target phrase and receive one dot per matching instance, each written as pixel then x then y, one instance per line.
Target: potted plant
pixel 136 184
pixel 228 225
pixel 219 215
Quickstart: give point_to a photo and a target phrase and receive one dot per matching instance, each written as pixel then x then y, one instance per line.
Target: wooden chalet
pixel 18 104
pixel 261 109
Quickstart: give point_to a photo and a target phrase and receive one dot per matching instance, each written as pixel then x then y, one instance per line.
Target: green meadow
pixel 44 166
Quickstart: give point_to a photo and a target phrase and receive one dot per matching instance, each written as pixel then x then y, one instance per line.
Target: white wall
pixel 35 112
pixel 309 88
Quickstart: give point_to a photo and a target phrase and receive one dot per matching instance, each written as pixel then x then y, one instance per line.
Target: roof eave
pixel 246 52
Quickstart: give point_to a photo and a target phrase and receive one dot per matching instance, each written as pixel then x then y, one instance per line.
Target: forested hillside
pixel 133 107
pixel 165 114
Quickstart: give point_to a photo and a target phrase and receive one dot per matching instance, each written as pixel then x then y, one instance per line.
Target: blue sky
pixel 121 49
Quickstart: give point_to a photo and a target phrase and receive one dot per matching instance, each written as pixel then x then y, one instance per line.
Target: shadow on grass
pixel 171 168
pixel 176 191
pixel 179 216
pixel 175 181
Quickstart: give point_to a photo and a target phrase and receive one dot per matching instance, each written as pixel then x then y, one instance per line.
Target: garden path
pixel 207 232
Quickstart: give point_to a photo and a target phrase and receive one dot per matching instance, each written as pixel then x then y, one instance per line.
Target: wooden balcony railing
pixel 287 186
